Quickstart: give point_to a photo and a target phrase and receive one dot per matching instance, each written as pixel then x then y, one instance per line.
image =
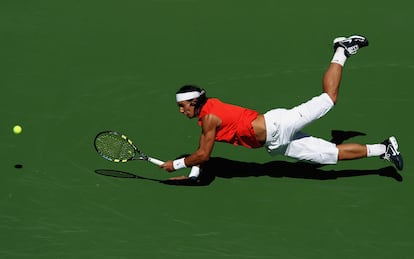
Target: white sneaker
pixel 391 153
pixel 351 44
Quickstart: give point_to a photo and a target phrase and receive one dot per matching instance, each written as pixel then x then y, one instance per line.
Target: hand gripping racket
pixel 116 147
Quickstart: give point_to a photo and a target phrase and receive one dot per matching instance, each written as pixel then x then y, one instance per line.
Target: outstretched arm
pixel 210 123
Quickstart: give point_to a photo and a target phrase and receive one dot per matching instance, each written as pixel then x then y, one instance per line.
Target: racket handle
pixel 155 161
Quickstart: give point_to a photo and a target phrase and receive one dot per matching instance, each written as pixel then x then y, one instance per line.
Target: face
pixel 187 109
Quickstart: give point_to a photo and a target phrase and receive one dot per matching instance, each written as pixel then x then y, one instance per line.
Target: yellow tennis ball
pixel 17 129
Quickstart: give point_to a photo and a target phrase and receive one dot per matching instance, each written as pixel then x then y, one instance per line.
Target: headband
pixel 188 95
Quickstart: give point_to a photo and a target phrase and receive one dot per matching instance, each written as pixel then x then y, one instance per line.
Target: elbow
pixel 202 157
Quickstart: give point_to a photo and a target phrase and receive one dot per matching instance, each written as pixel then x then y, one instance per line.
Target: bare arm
pixel 210 123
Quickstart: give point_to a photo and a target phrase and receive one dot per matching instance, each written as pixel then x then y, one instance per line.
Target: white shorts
pixel 284 134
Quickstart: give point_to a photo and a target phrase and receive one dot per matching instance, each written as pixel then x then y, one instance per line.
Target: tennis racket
pixel 116 147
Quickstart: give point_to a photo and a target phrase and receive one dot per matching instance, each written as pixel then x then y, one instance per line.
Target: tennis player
pixel 278 130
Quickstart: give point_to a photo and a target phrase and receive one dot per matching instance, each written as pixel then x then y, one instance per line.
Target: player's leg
pixel 308 148
pixel 320 105
pixel 351 151
pixel 387 150
pixel 344 48
pixel 332 80
pixel 316 150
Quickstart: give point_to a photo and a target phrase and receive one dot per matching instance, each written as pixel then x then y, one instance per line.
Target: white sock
pixel 195 172
pixel 375 150
pixel 339 56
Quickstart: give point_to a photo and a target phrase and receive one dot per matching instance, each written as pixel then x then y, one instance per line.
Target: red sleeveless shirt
pixel 236 123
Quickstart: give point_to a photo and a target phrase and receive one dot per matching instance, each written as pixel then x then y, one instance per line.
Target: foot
pixel 391 152
pixel 351 44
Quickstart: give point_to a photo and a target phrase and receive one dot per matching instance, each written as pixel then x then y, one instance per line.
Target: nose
pixel 181 109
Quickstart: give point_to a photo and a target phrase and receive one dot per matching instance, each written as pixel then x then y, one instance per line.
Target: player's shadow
pixel 339 136
pixel 225 168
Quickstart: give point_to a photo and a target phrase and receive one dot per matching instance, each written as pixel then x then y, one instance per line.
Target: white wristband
pixel 195 172
pixel 179 163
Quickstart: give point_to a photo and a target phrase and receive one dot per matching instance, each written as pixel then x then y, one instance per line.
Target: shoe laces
pixel 390 152
pixel 353 49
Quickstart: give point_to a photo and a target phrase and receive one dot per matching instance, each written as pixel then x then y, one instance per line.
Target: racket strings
pixel 114 147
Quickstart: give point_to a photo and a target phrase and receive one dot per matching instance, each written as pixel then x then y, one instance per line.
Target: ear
pixel 193 102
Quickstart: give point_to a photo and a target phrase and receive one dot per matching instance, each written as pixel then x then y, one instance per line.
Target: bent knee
pixel 334 97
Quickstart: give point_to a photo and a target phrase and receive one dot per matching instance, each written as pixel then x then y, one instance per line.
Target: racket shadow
pixel 122 174
pixel 127 175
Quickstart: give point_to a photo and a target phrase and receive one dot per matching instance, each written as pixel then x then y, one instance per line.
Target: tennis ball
pixel 17 129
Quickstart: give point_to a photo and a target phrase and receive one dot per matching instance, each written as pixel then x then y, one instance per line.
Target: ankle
pixel 339 56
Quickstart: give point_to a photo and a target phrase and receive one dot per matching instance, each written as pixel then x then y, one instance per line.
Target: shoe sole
pixel 338 39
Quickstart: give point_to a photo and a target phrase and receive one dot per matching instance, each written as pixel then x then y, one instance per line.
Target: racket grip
pixel 155 161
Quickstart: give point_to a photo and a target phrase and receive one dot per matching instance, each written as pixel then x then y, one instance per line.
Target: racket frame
pixel 138 154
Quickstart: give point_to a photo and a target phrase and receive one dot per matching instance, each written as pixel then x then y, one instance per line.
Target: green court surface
pixel 70 69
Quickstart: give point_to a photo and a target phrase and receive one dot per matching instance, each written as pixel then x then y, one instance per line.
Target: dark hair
pixel 198 102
